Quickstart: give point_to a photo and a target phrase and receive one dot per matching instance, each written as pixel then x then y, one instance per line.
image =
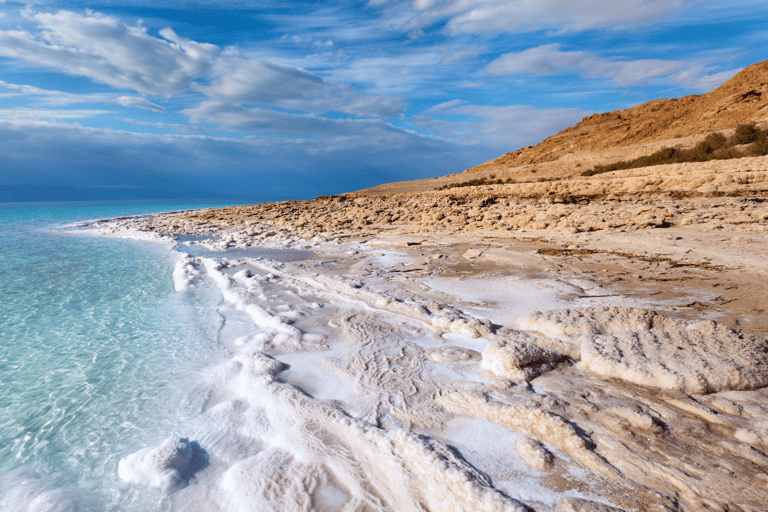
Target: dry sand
pixel 640 387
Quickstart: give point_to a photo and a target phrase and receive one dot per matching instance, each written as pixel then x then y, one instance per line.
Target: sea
pixel 96 353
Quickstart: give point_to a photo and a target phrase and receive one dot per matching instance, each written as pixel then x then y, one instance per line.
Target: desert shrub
pixel 714 146
pixel 744 134
pixel 759 147
pixel 715 141
pixel 475 182
pixel 727 154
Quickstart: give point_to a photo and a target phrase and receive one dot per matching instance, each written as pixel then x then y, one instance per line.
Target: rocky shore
pixel 697 230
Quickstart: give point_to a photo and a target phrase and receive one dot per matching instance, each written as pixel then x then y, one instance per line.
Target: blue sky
pixel 137 99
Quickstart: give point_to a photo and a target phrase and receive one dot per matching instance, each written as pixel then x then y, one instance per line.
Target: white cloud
pixel 467 52
pixel 238 118
pixel 382 73
pixel 27 114
pixel 506 128
pixel 549 59
pixel 183 128
pixel 697 79
pixel 65 98
pixel 494 16
pixel 106 50
pixel 249 80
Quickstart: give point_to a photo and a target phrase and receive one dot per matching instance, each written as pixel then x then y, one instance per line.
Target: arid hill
pixel 624 134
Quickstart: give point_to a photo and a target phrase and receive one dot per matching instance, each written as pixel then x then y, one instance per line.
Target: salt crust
pixel 303 445
pixel 537 423
pixel 274 448
pixel 624 449
pixel 452 354
pixel 166 467
pixel 640 346
pixel 518 360
pixel 534 454
pixel 185 272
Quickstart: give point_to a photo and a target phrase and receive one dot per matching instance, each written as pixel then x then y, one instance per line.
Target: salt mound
pixel 452 354
pixel 583 321
pixel 534 454
pixel 640 346
pixel 166 467
pixel 517 360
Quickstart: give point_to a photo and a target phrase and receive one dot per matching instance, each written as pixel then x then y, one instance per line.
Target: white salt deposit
pixel 640 346
pixel 380 375
pixel 23 490
pixel 304 445
pixel 165 467
pixel 185 272
pixel 453 354
pixel 534 454
pixel 518 360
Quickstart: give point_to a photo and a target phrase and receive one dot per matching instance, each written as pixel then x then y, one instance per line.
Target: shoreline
pixel 453 300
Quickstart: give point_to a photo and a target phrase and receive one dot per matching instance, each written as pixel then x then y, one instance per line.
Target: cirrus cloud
pixel 510 16
pixel 497 126
pixel 549 59
pixel 250 80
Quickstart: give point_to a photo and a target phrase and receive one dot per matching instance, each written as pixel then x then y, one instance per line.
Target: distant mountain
pixel 620 135
pixel 742 99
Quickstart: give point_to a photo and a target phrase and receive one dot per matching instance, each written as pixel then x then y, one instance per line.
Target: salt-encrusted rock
pixel 534 454
pixel 517 360
pixel 166 467
pixel 452 354
pixel 640 346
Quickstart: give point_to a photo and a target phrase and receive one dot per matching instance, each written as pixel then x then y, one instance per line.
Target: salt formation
pixel 640 346
pixel 295 451
pixel 276 334
pixel 537 423
pixel 166 467
pixel 534 454
pixel 453 354
pixel 517 360
pixel 338 428
pixel 24 490
pixel 185 272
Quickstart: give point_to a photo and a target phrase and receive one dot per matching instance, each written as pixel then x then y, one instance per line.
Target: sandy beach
pixel 586 344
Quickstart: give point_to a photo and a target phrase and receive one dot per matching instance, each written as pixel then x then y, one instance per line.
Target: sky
pixel 156 99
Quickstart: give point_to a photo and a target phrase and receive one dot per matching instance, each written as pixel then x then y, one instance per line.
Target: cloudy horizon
pixel 130 100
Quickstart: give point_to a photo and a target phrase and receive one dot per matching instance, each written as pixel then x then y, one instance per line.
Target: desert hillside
pixel 622 134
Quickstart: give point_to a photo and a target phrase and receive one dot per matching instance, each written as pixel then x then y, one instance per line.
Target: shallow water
pixel 97 351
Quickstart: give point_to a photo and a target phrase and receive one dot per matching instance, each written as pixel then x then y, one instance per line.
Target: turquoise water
pixel 97 353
